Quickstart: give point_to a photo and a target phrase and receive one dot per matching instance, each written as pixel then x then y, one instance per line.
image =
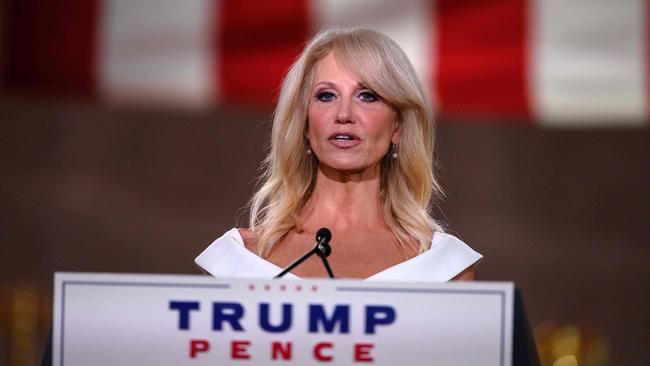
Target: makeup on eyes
pixel 325 95
pixel 363 93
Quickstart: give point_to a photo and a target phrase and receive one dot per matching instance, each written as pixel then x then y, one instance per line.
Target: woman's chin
pixel 347 168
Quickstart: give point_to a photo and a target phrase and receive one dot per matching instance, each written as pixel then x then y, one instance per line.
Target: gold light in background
pixel 570 345
pixel 24 333
pixel 25 323
pixel 569 360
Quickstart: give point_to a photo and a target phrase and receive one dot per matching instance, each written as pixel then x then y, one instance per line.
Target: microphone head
pixel 324 249
pixel 323 235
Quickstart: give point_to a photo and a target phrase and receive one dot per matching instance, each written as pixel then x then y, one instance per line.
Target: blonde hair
pixel 407 183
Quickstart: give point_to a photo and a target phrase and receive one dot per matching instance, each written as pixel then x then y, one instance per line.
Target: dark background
pixel 89 186
pixel 86 187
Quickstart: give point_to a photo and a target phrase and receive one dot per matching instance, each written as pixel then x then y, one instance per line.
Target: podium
pixel 110 319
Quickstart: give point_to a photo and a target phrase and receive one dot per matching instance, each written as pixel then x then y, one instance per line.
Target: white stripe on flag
pixel 588 62
pixel 157 51
pixel 409 23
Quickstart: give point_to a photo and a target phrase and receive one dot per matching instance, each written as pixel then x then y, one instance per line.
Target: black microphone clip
pixel 322 249
pixel 323 237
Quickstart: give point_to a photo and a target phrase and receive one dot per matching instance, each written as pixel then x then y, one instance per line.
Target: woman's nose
pixel 345 114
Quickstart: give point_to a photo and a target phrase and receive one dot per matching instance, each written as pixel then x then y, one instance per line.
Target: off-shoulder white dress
pixel 447 258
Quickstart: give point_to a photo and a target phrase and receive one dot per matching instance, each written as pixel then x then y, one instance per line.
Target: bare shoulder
pixel 249 239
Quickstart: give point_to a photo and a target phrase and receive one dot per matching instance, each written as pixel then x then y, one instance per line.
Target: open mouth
pixel 344 140
pixel 344 137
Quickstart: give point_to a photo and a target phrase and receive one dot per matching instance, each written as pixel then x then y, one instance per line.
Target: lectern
pixel 108 319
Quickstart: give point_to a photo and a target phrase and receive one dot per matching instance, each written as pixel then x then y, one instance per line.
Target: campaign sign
pixel 122 319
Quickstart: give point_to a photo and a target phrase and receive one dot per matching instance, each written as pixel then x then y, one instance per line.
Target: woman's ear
pixel 397 134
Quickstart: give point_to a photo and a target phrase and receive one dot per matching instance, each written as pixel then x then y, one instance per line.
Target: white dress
pixel 447 258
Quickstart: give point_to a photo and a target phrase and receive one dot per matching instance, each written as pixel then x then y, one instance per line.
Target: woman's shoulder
pixel 447 258
pixel 231 256
pixel 451 242
pixel 455 251
pixel 248 239
pixel 220 253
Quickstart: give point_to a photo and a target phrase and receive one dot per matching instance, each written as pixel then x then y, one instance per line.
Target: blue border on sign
pixel 500 293
pixel 122 284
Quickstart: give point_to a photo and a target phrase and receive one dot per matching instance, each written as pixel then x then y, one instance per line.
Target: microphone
pixel 323 237
pixel 322 249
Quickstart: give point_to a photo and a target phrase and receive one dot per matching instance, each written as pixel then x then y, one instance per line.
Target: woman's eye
pixel 325 96
pixel 368 96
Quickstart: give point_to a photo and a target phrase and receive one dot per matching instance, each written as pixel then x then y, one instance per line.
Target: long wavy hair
pixel 408 185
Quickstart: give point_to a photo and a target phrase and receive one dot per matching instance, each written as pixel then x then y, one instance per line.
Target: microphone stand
pixel 322 249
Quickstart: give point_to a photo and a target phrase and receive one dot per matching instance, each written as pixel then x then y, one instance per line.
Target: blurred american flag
pixel 562 63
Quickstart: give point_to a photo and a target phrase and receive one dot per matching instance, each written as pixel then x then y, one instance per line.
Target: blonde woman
pixel 351 150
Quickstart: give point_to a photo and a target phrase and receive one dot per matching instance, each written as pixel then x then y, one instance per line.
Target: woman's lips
pixel 344 140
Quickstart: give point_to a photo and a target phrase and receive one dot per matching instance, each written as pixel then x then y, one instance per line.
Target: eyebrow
pixel 332 85
pixel 325 83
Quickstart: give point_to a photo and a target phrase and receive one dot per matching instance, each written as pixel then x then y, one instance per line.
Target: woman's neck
pixel 343 201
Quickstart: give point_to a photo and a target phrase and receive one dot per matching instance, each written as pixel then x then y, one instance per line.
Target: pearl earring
pixel 394 155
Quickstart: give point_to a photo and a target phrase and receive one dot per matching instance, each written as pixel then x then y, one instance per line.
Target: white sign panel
pixel 119 319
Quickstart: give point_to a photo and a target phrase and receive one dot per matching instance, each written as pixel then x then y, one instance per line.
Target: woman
pixel 351 150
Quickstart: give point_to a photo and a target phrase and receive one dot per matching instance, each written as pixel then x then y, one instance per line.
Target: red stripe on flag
pixel 50 45
pixel 481 69
pixel 256 45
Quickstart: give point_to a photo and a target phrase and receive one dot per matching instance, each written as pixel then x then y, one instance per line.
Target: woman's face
pixel 350 128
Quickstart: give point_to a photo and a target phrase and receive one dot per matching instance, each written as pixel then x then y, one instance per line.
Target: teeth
pixel 343 137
